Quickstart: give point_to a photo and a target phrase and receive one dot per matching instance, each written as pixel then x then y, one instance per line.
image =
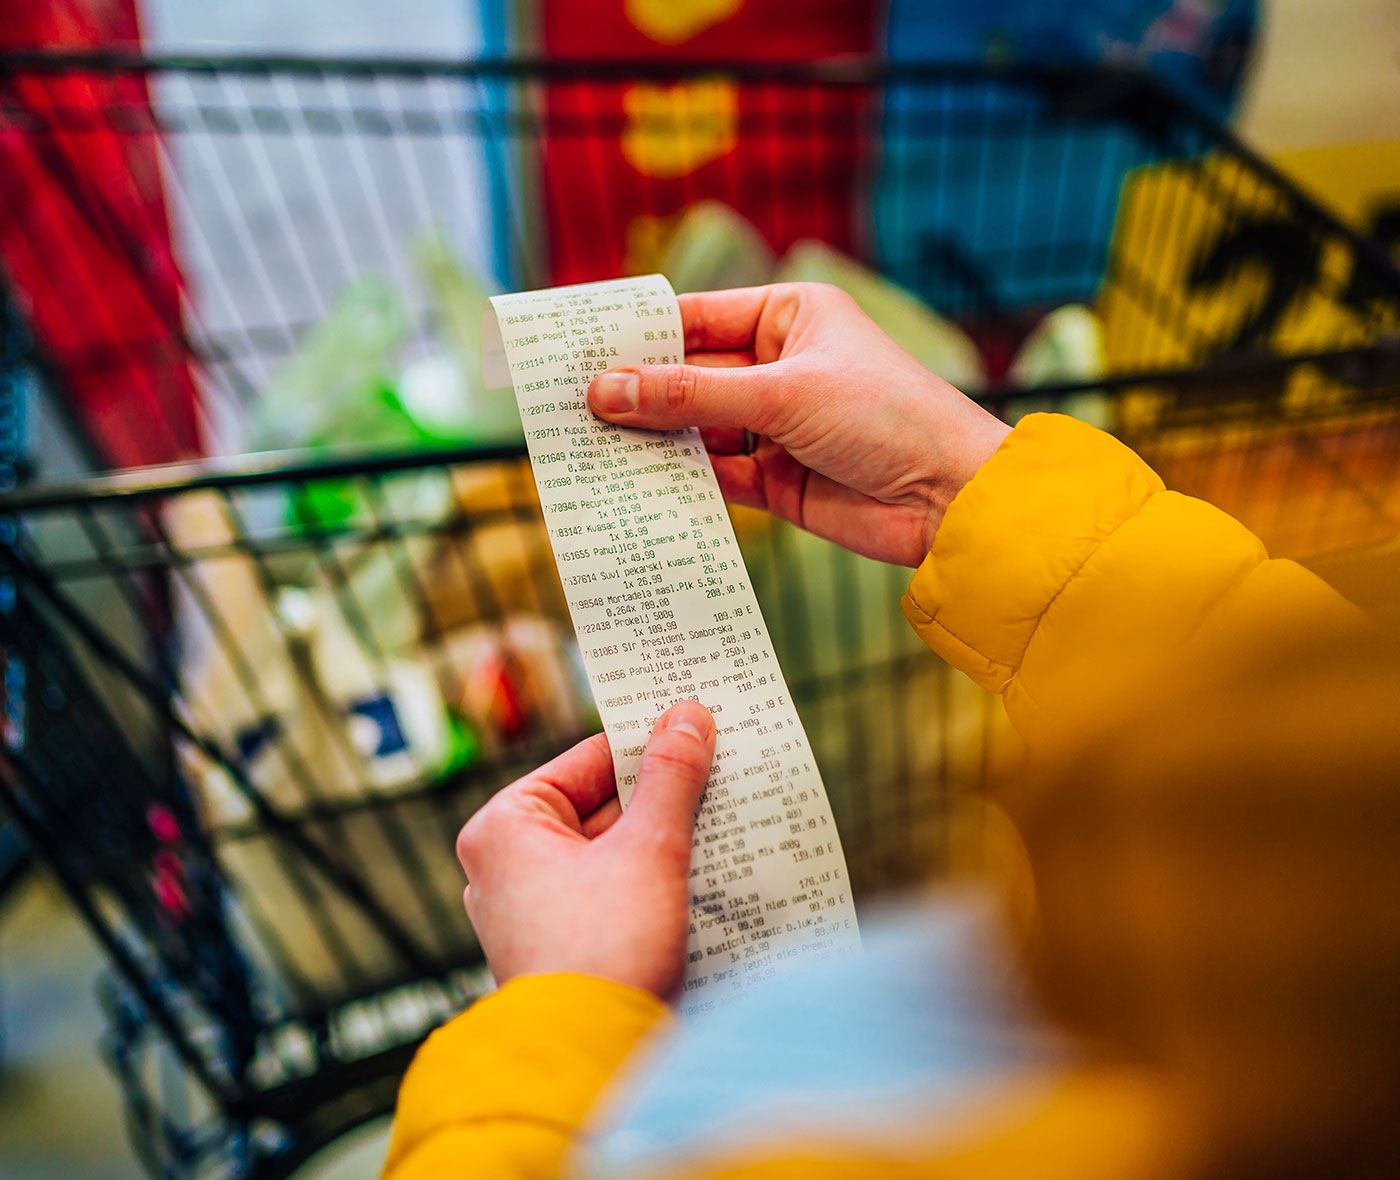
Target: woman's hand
pixel 858 442
pixel 561 880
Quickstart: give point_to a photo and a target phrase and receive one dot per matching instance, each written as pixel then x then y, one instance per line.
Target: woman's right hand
pixel 857 442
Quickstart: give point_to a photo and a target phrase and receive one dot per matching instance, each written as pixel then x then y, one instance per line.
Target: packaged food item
pixel 1066 347
pixel 237 670
pixel 339 385
pixel 347 386
pixel 713 248
pixel 519 678
pixel 502 562
pixel 444 391
pixel 331 717
pixel 475 691
pixel 935 342
pixel 340 389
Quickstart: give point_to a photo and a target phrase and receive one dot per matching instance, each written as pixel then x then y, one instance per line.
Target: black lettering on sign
pixel 1287 254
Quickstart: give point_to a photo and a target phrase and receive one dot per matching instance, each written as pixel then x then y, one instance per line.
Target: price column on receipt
pixel 664 612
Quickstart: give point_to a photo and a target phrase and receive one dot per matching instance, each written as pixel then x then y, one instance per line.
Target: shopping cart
pixel 217 673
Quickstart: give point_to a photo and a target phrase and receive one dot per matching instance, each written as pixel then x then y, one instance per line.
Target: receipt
pixel 665 612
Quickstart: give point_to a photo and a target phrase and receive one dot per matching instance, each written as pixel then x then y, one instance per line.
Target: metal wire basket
pixel 217 673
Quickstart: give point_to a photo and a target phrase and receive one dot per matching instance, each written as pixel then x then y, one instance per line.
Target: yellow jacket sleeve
pixel 1062 569
pixel 1065 568
pixel 502 1090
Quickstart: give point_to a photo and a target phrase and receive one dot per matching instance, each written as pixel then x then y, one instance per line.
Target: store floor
pixel 60 1111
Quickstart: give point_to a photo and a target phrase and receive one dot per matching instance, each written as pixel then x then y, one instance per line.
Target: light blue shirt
pixel 860 1050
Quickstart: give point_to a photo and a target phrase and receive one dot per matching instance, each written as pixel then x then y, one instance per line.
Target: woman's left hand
pixel 561 880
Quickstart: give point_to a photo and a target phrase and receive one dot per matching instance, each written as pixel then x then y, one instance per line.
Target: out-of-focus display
pixel 298 667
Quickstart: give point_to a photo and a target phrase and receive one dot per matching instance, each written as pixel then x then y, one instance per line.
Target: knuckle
pixel 803 290
pixel 668 836
pixel 675 759
pixel 678 388
pixel 824 298
pixel 671 843
pixel 695 319
pixel 469 840
pixel 482 829
pixel 826 292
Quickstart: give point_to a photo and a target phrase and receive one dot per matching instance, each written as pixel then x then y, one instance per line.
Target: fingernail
pixel 680 724
pixel 615 393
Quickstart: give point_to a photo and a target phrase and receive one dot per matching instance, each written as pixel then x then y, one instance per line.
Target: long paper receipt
pixel 665 612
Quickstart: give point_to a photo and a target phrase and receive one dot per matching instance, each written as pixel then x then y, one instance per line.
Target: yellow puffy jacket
pixel 1067 579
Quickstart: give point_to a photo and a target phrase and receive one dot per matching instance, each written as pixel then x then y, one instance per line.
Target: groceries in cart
pixel 713 247
pixel 421 630
pixel 317 710
pixel 1066 347
pixel 351 384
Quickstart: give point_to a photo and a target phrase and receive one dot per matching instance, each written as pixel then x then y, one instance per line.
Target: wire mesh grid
pixel 249 702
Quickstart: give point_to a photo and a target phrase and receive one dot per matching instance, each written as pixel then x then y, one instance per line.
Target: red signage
pixel 84 236
pixel 621 161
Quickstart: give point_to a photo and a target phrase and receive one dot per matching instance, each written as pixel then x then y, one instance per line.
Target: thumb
pixel 675 766
pixel 668 397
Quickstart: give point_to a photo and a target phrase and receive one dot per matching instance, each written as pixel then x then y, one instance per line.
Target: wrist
pixel 643 968
pixel 965 443
pixel 623 991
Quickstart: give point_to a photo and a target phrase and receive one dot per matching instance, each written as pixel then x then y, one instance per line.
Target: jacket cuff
pixel 540 1049
pixel 1015 536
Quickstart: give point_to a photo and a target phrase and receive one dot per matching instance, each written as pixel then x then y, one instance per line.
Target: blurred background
pixel 276 605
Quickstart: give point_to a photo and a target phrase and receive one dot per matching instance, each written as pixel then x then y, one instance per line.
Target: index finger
pixel 583 775
pixel 722 320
